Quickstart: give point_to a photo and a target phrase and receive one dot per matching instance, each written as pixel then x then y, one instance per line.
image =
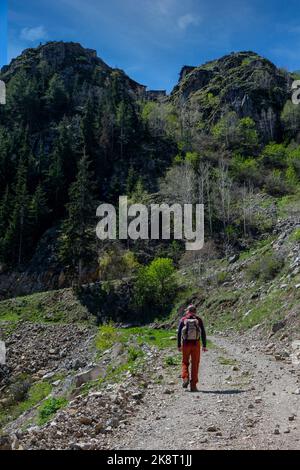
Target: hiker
pixel 190 330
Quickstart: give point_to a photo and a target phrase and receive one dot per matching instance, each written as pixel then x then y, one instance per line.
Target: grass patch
pixel 173 360
pixel 258 247
pixel 289 205
pixel 271 308
pixel 226 298
pixel 295 236
pixel 59 306
pixel 35 394
pixel 108 335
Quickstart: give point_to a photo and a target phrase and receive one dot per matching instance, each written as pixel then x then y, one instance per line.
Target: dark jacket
pixel 202 330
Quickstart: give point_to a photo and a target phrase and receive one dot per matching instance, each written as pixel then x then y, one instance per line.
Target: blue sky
pixel 3 32
pixel 152 39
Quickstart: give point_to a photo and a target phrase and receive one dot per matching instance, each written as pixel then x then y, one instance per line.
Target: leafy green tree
pixel 274 155
pixel 245 169
pixel 237 133
pixel 247 135
pixel 275 183
pixel 115 264
pixel 225 130
pixel 293 159
pixel 291 177
pixel 155 285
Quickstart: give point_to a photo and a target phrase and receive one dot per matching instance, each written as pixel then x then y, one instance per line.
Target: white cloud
pixel 33 34
pixel 188 20
pixel 165 6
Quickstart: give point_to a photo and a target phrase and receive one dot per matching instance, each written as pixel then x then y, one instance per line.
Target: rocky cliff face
pixel 67 59
pixel 242 82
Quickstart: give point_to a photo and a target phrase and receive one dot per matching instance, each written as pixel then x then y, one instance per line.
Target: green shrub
pixel 134 354
pixel 296 235
pixel 274 155
pixel 115 264
pixel 275 183
pixel 221 277
pixel 239 133
pixel 50 407
pixel 245 169
pixel 291 177
pixel 172 361
pixel 265 268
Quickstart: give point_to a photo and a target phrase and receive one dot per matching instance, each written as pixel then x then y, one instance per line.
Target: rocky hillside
pixel 244 83
pixel 66 107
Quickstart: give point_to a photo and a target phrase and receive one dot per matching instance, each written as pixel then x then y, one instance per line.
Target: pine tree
pixel 56 96
pixel 123 119
pixel 5 212
pixel 38 212
pixel 5 162
pixel 78 235
pixel 56 184
pixel 64 146
pixel 88 126
pixel 17 238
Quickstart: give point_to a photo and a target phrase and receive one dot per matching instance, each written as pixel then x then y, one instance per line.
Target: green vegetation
pixel 289 204
pixel 77 239
pixel 46 307
pixel 269 309
pixel 23 397
pixel 222 277
pixel 108 335
pixel 49 408
pixel 155 285
pixel 132 356
pixel 258 248
pixel 295 236
pixel 114 264
pixel 173 360
pixel 265 268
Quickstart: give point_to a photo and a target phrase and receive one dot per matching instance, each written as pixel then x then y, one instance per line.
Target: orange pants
pixel 190 350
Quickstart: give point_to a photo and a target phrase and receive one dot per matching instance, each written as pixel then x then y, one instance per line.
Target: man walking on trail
pixel 191 328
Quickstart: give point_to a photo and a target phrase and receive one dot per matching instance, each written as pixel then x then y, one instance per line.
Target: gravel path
pixel 248 404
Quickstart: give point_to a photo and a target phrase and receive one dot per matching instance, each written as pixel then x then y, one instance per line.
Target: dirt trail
pixel 253 406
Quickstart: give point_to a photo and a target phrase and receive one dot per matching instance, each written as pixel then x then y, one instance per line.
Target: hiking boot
pixel 194 389
pixel 185 383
